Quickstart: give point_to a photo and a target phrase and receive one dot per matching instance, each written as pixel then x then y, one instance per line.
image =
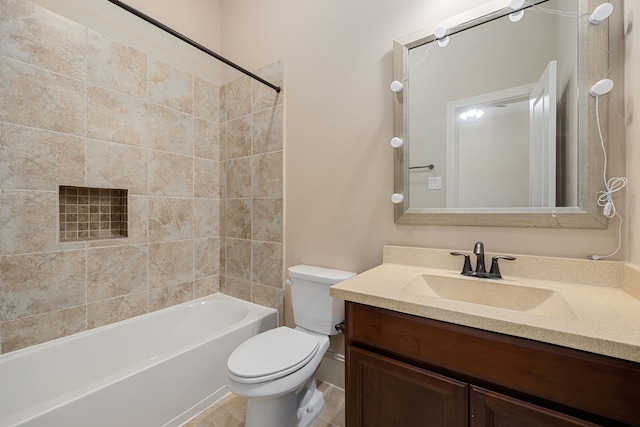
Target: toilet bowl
pixel 275 370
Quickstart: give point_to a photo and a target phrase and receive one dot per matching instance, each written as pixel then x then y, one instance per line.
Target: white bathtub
pixel 159 369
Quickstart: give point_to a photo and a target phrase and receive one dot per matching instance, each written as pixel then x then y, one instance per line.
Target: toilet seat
pixel 271 355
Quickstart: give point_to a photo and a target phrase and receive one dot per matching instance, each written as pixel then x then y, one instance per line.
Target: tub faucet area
pixel 481 271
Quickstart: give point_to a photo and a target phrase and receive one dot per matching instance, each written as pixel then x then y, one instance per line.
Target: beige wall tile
pixel 267 220
pixel 112 165
pixel 170 130
pixel 39 37
pixel 206 176
pixel 178 183
pixel 206 100
pixel 206 139
pixel 239 137
pixel 237 288
pixel 238 218
pixel 116 66
pixel 33 159
pixel 238 178
pixel 268 297
pixel 170 263
pixel 29 221
pixel 170 87
pixel 170 219
pixel 206 257
pixel 116 309
pixel 267 175
pixel 37 329
pixel 267 263
pixel 39 98
pixel 114 116
pixel 138 216
pixel 268 130
pixel 263 96
pixel 39 283
pixel 116 271
pixel 167 296
pixel 238 259
pixel 238 98
pixel 206 286
pixel 206 217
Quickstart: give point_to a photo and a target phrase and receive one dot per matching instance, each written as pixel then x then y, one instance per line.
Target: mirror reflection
pixel 493 115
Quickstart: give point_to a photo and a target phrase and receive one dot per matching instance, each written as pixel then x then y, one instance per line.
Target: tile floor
pixel 229 412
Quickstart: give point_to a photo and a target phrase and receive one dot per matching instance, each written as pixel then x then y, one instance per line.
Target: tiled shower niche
pixel 92 213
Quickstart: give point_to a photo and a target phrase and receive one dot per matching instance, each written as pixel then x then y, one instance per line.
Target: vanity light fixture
pixel 396 142
pixel 441 35
pixel 397 198
pixel 601 13
pixel 396 86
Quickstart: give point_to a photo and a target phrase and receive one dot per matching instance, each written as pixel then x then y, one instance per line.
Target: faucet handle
pixel 494 273
pixel 466 269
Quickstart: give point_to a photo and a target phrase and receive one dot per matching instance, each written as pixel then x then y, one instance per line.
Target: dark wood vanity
pixel 405 370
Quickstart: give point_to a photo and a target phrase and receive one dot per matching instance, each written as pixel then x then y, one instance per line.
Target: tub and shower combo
pixel 158 369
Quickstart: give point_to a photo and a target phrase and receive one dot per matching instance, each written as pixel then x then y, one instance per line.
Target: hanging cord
pixel 605 198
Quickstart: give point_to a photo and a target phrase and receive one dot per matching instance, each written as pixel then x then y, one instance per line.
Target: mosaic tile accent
pixel 92 213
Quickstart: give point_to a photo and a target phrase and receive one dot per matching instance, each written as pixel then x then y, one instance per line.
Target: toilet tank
pixel 313 308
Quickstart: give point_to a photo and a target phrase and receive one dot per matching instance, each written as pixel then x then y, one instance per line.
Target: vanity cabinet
pixel 405 370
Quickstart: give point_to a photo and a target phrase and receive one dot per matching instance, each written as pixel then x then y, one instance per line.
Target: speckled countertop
pixel 599 308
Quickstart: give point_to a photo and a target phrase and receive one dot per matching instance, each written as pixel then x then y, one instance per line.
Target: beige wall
pixel 338 121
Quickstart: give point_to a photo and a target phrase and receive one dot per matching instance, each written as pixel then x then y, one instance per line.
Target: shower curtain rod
pixel 192 43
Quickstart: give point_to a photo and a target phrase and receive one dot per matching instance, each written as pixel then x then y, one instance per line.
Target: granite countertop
pixel 593 308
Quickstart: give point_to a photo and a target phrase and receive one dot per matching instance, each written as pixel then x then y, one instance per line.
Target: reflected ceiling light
pixel 601 13
pixel 471 114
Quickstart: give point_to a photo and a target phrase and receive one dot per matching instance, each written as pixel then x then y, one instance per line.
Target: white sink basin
pixel 492 293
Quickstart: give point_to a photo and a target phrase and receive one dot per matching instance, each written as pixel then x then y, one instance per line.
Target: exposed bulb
pixel 440 31
pixel 396 142
pixel 601 13
pixel 517 4
pixel 396 86
pixel 602 87
pixel 397 198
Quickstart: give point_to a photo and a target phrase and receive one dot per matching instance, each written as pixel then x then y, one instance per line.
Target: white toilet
pixel 275 369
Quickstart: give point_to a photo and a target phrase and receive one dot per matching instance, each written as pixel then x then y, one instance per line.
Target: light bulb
pixel 601 87
pixel 601 13
pixel 440 31
pixel 397 198
pixel 516 4
pixel 396 142
pixel 396 86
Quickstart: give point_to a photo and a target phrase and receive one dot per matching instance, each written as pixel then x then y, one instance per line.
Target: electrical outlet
pixel 435 182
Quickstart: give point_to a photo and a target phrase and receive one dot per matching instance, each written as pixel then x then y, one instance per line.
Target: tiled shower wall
pixel 78 109
pixel 252 190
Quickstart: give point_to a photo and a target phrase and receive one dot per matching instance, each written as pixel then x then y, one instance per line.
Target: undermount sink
pixel 491 293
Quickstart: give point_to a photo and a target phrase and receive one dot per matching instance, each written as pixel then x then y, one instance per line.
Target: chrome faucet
pixel 481 271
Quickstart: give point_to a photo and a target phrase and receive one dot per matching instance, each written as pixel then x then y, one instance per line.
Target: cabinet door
pixel 384 392
pixel 489 409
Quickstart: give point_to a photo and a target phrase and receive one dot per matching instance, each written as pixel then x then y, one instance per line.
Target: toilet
pixel 275 370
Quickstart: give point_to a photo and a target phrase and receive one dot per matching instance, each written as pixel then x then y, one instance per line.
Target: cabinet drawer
pixel 587 382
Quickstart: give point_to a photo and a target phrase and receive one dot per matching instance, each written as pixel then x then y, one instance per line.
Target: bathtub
pixel 158 369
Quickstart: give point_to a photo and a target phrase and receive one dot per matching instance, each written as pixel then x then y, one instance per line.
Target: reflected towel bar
pixel 430 167
pixel 187 40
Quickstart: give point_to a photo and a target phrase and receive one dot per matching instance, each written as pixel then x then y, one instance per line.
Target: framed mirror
pixel 497 125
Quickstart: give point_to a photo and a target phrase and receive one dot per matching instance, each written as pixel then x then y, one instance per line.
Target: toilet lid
pixel 272 354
